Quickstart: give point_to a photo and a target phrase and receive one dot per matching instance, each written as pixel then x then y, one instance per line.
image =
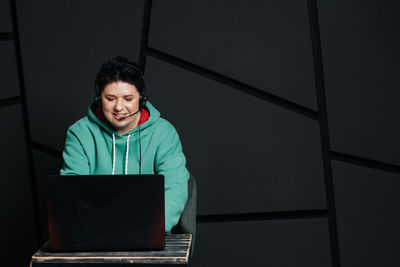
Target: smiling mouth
pixel 118 116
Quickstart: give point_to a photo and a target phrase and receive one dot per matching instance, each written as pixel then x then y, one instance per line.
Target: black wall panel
pixel 17 230
pixel 265 44
pixel 367 204
pixel 5 16
pixel 263 243
pixel 8 70
pixel 360 42
pixel 63 44
pixel 44 165
pixel 248 155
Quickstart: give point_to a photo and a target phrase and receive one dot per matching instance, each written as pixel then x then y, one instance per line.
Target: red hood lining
pixel 98 112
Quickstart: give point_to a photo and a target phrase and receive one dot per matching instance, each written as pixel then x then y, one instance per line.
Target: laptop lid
pixel 106 212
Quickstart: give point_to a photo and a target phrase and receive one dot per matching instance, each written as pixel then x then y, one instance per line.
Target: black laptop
pixel 106 212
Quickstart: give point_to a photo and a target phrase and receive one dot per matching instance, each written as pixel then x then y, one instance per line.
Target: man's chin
pixel 121 127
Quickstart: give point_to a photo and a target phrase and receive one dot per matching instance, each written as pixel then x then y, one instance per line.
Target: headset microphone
pixel 123 118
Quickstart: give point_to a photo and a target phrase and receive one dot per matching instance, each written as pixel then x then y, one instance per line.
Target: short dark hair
pixel 119 69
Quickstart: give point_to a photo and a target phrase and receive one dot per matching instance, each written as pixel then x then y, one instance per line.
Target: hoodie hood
pixel 154 115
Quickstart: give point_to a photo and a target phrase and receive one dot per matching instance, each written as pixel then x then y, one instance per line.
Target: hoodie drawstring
pixel 127 153
pixel 126 156
pixel 113 170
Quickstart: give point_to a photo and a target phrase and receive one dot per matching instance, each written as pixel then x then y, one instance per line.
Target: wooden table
pixel 177 248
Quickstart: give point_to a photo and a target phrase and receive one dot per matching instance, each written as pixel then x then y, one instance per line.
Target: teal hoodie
pixel 89 150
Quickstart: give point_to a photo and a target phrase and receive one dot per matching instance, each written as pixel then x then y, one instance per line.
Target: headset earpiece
pixel 97 99
pixel 142 101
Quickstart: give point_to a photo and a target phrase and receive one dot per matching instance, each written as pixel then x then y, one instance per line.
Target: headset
pixel 142 103
pixel 142 96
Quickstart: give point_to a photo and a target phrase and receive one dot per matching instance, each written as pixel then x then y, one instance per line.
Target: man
pixel 124 134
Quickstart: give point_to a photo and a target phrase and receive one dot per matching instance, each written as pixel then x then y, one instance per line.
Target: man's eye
pixel 128 99
pixel 110 99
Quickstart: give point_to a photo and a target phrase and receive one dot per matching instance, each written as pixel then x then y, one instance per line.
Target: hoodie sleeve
pixel 170 161
pixel 75 159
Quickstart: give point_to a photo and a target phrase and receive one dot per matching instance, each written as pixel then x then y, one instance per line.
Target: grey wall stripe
pixel 262 216
pixel 32 177
pixel 46 149
pixel 324 131
pixel 233 83
pixel 365 162
pixel 10 101
pixel 145 33
pixel 6 36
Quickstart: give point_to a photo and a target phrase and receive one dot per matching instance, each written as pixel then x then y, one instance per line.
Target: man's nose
pixel 118 105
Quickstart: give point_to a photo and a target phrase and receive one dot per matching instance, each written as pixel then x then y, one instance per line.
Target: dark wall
pixel 18 228
pixel 286 111
pixel 63 45
pixel 362 63
pixel 360 41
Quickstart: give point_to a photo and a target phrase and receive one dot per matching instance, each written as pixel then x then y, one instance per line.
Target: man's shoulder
pixel 164 126
pixel 82 125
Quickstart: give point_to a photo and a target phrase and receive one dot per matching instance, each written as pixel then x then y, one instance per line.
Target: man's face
pixel 120 99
